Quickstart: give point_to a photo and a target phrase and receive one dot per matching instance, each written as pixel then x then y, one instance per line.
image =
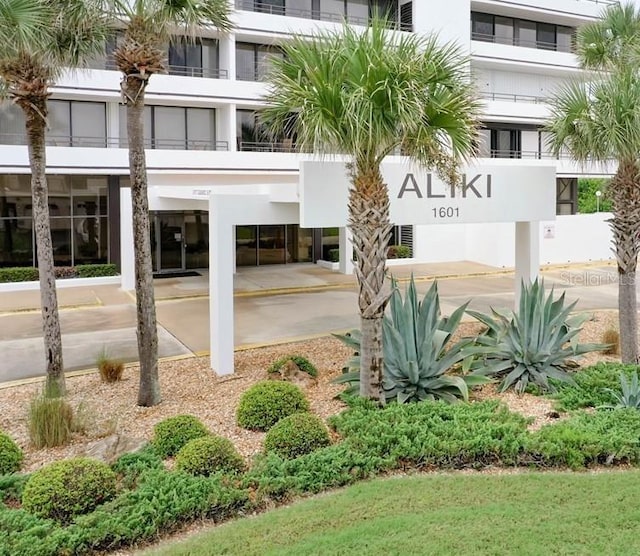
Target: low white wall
pixel 575 238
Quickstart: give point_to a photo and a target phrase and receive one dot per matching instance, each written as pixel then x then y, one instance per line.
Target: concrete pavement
pixel 273 303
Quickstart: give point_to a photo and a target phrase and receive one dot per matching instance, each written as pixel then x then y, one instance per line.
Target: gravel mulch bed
pixel 189 386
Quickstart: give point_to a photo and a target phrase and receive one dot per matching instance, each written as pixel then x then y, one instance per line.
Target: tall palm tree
pixel 367 95
pixel 598 119
pixel 39 39
pixel 148 26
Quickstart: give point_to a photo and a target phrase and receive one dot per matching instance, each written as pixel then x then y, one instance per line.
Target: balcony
pixel 286 146
pixel 185 71
pixel 335 17
pixel 514 97
pixel 515 41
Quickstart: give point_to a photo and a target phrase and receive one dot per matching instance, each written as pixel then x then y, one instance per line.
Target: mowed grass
pixel 528 513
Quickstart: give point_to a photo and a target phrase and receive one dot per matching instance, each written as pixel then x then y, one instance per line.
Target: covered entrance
pixel 179 240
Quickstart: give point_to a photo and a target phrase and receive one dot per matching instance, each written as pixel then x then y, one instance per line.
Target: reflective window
pixel 195 59
pixel 254 61
pixel 358 11
pixel 546 36
pixel 482 26
pixel 12 125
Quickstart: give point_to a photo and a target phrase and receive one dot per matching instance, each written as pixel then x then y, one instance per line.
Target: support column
pixel 527 254
pixel 346 251
pixel 221 316
pixel 127 262
pixel 226 126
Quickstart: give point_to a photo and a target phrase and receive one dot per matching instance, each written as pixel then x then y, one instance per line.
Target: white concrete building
pixel 203 141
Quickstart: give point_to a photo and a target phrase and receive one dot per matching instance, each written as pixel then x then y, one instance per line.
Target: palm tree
pixel 148 26
pixel 39 39
pixel 599 120
pixel 368 95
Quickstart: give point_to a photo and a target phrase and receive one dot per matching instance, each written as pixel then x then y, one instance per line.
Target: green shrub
pixel 208 455
pixel 604 437
pixel 266 402
pixel 95 270
pixel 592 386
pixel 296 435
pixel 11 455
pixel 50 421
pixel 418 354
pixel 173 433
pixel 398 252
pixel 130 467
pixel 67 488
pixel 533 344
pixel 19 274
pixel 11 487
pixel 302 362
pixel 334 255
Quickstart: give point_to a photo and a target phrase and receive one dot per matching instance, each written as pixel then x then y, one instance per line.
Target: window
pixel 175 127
pixel 482 26
pixel 505 143
pixel 504 30
pixel 195 59
pixel 299 8
pixel 270 6
pixel 566 195
pixel 546 36
pixel 254 61
pixel 12 125
pixel 358 11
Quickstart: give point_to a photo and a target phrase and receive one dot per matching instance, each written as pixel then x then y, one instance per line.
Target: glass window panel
pixel 482 26
pixel 330 240
pixel 177 54
pixel 15 196
pixel 89 124
pixel 210 57
pixel 504 30
pixel 564 39
pixel 299 8
pixel 332 10
pixel 246 245
pixel 16 242
pixel 245 62
pixel 59 132
pixel 12 125
pixel 196 232
pixel 358 11
pixel 299 244
pixel 61 239
pixel 194 59
pixel 271 6
pixel 271 245
pixel 265 57
pixel 526 33
pixel 245 128
pixel 546 36
pixel 89 195
pixel 90 240
pixel 200 128
pixel 59 195
pixel 169 127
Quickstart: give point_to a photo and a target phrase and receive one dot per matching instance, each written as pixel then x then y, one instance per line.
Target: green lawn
pixel 531 513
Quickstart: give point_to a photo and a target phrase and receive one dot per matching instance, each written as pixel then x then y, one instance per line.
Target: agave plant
pixel 629 396
pixel 532 345
pixel 416 355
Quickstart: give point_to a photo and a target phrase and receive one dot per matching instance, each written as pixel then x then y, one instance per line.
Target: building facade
pixel 204 137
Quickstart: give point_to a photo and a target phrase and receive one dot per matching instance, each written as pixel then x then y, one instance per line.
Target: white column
pixel 228 54
pixel 113 124
pixel 226 125
pixel 221 286
pixel 346 251
pixel 127 262
pixel 527 254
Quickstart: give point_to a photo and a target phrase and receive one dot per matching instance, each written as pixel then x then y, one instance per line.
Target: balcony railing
pixel 539 155
pixel 262 7
pixel 514 97
pixel 186 71
pixel 514 41
pixel 117 142
pixel 265 147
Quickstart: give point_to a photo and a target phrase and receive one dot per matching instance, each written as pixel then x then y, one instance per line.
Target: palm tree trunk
pixel 149 390
pixel 625 224
pixel 371 229
pixel 35 114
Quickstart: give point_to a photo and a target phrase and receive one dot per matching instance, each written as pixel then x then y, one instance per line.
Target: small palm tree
pixel 148 27
pixel 599 120
pixel 39 39
pixel 368 95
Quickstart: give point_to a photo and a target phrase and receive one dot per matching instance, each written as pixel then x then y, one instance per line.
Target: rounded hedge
pixel 67 488
pixel 266 402
pixel 207 455
pixel 302 362
pixel 173 433
pixel 11 455
pixel 297 435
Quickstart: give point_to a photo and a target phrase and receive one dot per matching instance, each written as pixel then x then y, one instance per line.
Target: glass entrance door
pixel 170 240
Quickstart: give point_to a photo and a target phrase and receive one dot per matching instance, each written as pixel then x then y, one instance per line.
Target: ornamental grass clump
pixel 50 421
pixel 532 345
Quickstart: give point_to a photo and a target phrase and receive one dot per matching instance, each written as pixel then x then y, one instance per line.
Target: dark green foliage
pixel 95 270
pixel 208 455
pixel 67 488
pixel 11 487
pixel 609 437
pixel 532 345
pixel 418 354
pixel 296 435
pixel 173 433
pixel 398 252
pixel 592 386
pixel 266 402
pixel 162 501
pixel 130 467
pixel 628 396
pixel 10 455
pixel 334 255
pixel 329 467
pixel 587 199
pixel 19 274
pixel 302 362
